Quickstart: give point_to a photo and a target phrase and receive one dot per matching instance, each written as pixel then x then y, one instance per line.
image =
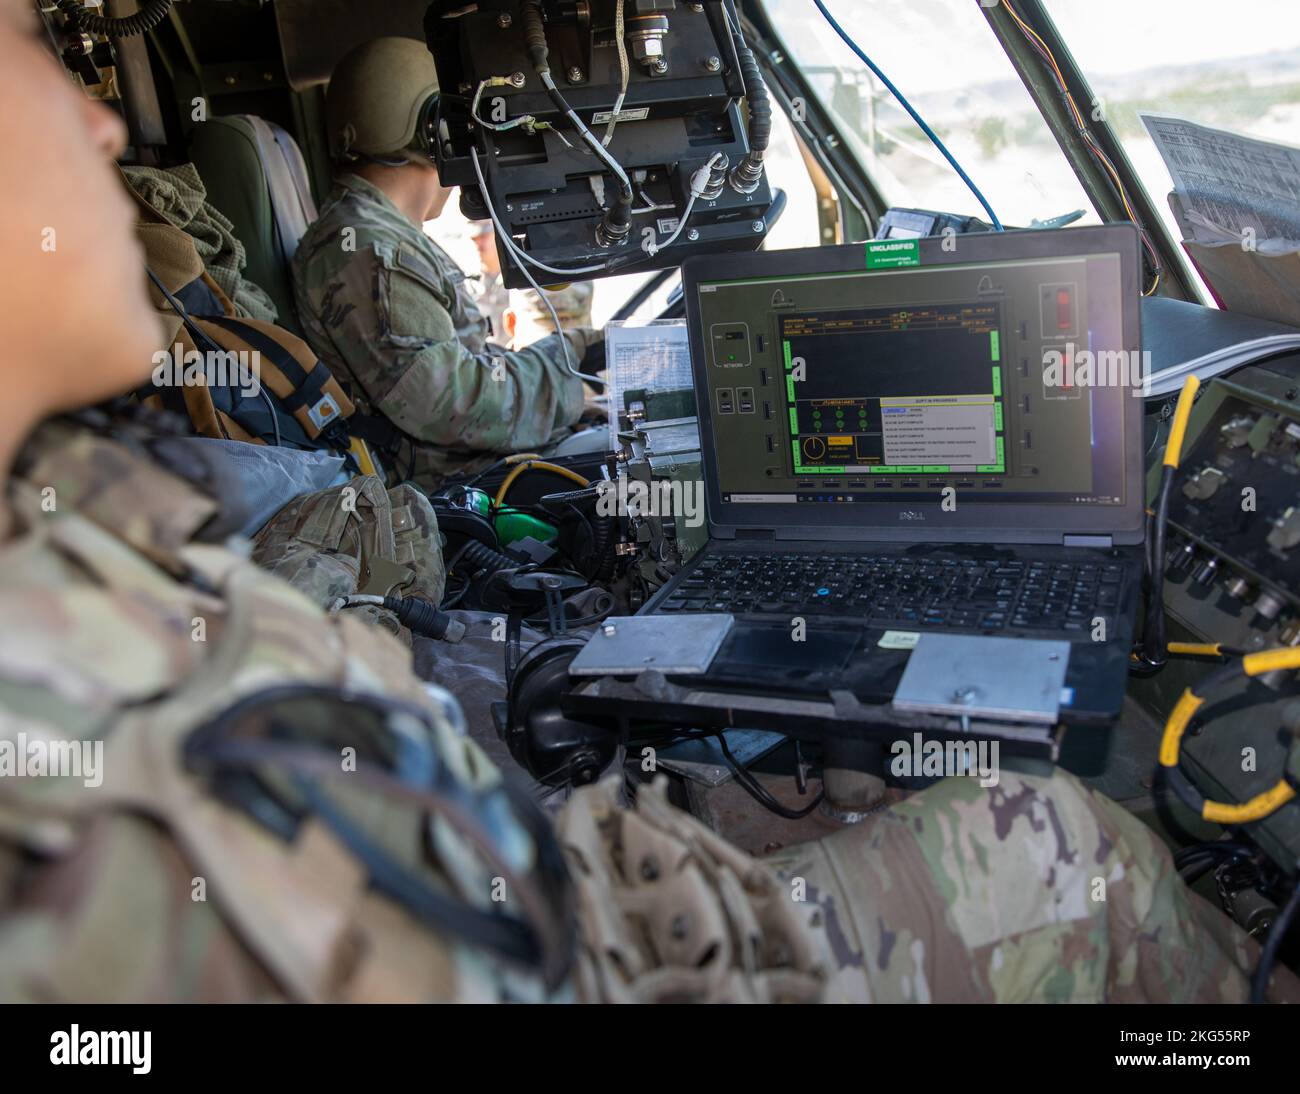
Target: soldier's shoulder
pixel 353 233
pixel 101 470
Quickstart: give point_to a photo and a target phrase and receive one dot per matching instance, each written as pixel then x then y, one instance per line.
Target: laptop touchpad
pixel 820 650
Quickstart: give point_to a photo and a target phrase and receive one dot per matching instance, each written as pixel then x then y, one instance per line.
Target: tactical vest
pixel 357 538
pixel 118 629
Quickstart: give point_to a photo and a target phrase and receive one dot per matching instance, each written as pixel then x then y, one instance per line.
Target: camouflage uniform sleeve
pixel 400 342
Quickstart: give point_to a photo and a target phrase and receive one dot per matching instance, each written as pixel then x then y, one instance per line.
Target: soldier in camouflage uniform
pixel 387 309
pixel 490 294
pixel 532 318
pixel 162 871
pixel 354 538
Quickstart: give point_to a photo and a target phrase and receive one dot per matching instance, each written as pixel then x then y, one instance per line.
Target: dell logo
pixel 910 514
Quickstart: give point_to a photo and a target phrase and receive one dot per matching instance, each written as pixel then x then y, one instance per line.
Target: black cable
pixel 151 13
pixel 758 792
pixel 1214 847
pixel 495 466
pixel 270 409
pixel 1273 945
pixel 1154 636
pixel 449 602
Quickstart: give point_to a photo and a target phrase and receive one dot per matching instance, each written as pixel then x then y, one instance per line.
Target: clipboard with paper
pixel 1236 200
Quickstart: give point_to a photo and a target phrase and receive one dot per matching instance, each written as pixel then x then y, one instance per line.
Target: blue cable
pixel 934 137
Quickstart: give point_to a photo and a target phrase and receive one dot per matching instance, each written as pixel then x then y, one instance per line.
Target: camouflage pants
pixel 1038 889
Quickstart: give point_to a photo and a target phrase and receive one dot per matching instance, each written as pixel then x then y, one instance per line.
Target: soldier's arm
pixel 401 344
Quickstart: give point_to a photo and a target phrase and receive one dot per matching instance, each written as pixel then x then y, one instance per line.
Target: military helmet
pixel 381 99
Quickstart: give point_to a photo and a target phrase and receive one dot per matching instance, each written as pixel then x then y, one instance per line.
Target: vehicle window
pixel 944 57
pixel 1232 67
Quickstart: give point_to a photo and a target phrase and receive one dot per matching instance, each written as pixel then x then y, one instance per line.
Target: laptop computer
pixel 914 437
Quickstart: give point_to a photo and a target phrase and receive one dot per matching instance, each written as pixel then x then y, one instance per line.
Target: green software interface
pixel 880 385
pixel 855 405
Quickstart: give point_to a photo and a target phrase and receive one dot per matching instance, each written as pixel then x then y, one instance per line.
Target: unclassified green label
pixel 893 252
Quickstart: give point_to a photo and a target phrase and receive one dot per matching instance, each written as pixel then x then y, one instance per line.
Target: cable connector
pixel 700 180
pixel 422 617
pixel 747 175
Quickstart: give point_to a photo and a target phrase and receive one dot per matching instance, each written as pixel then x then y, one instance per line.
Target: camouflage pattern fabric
pixel 357 538
pixel 388 311
pixel 1035 890
pixel 490 296
pixel 672 913
pixel 572 304
pixel 102 600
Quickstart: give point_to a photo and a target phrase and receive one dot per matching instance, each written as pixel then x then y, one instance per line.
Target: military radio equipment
pixel 658 466
pixel 1231 577
pixel 601 135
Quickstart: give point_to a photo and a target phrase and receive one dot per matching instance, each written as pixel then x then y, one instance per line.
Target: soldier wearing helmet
pixel 388 310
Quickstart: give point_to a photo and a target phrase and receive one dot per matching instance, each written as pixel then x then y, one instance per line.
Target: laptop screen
pixel 995 380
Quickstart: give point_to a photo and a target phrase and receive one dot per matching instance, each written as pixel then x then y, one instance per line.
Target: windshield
pixel 944 57
pixel 1232 67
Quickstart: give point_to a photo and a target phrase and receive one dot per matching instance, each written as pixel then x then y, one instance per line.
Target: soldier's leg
pixel 1035 889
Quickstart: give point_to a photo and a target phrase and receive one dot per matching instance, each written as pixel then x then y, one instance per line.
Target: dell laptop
pixel 912 437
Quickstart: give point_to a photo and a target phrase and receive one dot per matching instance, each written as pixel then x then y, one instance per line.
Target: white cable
pixel 500 127
pixel 624 72
pixel 504 236
pixel 699 182
pixel 586 134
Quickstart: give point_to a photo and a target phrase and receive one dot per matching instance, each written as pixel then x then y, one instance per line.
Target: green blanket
pixel 178 194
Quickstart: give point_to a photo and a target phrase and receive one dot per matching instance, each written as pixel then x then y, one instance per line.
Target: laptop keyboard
pixel 910 593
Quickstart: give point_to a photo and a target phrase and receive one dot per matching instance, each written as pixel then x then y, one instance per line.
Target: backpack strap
pixel 310 394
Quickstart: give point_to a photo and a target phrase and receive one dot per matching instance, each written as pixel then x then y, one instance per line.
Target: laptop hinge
pixel 756 533
pixel 1087 541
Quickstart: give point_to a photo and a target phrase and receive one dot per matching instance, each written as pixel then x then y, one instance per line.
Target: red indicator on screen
pixel 1064 310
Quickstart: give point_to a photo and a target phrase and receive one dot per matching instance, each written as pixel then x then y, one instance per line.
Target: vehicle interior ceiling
pixel 1026 98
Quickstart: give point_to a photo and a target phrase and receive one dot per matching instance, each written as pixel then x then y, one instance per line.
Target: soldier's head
pixel 75 319
pixel 381 108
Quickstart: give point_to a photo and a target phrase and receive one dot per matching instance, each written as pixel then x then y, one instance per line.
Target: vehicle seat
pixel 255 174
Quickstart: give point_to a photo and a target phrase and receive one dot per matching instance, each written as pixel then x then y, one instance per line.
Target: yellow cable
pixel 1187 705
pixel 538 465
pixel 1261 805
pixel 1195 649
pixel 1256 664
pixel 361 451
pixel 1174 446
pixel 1257 808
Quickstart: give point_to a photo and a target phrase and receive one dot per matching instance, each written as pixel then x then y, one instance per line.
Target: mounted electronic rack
pixel 602 135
